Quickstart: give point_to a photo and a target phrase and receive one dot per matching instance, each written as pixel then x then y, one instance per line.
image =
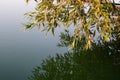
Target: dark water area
pixel 20 50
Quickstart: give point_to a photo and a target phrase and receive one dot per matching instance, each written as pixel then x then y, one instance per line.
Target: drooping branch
pixel 99 19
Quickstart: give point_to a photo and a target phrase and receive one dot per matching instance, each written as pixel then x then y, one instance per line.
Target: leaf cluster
pixel 91 18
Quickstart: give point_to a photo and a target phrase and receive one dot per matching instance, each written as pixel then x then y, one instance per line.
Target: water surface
pixel 20 50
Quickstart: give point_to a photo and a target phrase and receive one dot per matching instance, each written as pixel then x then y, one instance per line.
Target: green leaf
pixel 29 26
pixel 53 30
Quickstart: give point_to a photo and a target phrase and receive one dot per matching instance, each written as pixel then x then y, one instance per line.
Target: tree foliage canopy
pixel 100 63
pixel 90 18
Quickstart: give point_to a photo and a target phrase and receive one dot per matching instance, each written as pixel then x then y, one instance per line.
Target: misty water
pixel 20 50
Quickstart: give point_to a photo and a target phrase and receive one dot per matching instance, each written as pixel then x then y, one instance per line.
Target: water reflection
pixel 99 63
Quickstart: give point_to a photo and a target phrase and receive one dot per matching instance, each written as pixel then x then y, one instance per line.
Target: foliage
pixel 91 18
pixel 81 66
pixel 102 62
pixel 68 40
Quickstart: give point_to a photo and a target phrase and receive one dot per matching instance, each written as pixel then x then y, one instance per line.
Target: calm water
pixel 20 50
